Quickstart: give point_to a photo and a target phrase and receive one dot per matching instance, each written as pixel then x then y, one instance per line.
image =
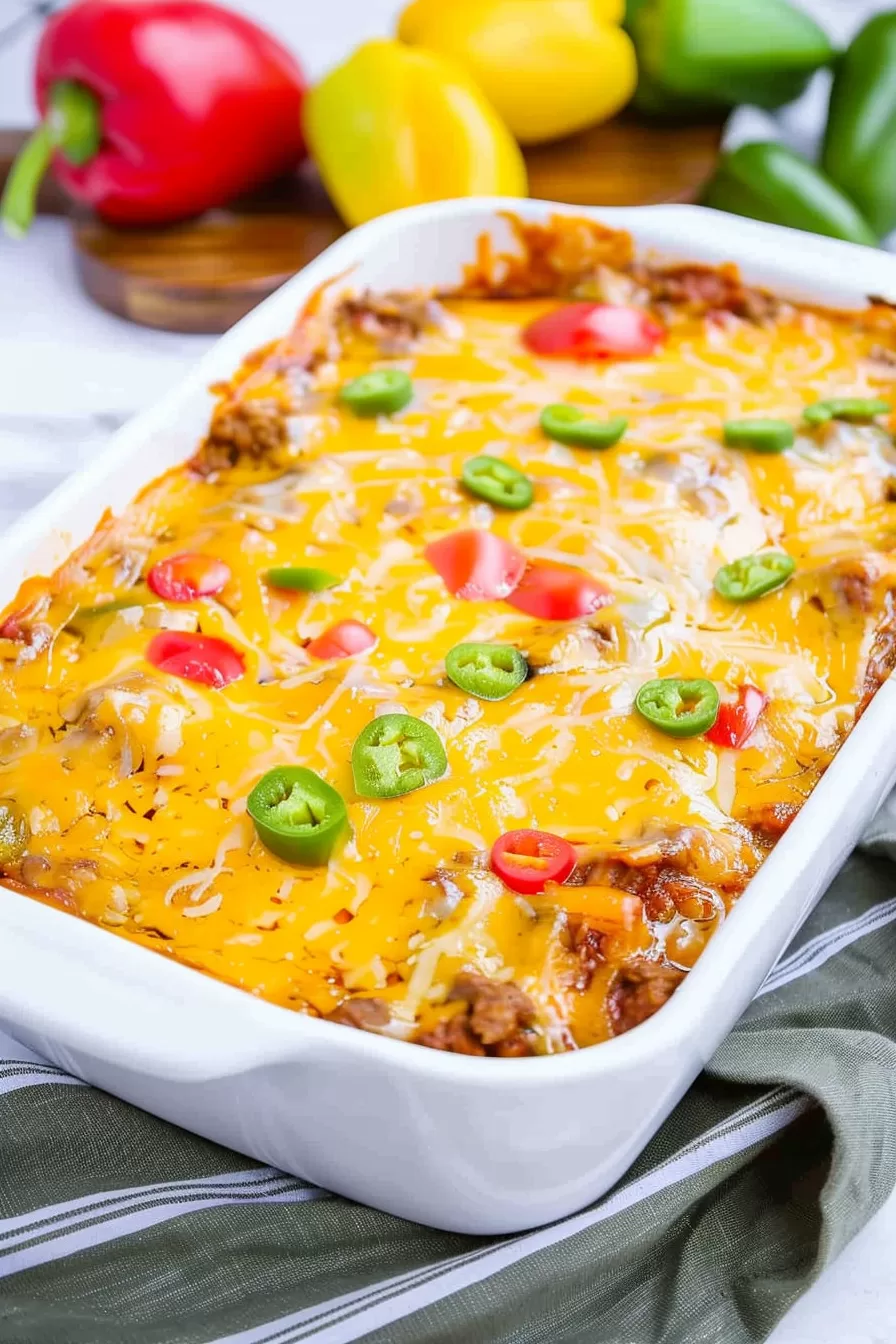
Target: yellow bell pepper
pixel 550 67
pixel 396 125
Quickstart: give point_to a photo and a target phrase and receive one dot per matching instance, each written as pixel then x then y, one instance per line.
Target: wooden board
pixel 204 275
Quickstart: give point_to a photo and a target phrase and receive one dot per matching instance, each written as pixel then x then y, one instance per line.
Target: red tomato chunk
pixel 594 331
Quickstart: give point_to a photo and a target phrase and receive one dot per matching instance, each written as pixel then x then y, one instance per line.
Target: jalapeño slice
pixel 570 425
pixel 497 482
pixel 298 815
pixel 302 578
pixel 396 754
pixel 489 671
pixel 380 392
pixel 853 409
pixel 753 576
pixel 14 832
pixel 759 435
pixel 679 707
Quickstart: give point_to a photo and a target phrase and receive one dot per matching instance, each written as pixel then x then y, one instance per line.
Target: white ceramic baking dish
pixel 476 1145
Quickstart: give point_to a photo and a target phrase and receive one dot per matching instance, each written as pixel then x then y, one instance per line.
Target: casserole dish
pixel 458 1142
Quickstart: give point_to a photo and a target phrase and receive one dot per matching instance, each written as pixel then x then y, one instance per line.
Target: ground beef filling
pixel 253 430
pixel 493 1021
pixel 638 991
pixel 365 1014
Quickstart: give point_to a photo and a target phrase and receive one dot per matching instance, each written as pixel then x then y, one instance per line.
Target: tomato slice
pixel 183 578
pixel 201 658
pixel 558 593
pixel 594 331
pixel 342 640
pixel 526 860
pixel 737 718
pixel 476 565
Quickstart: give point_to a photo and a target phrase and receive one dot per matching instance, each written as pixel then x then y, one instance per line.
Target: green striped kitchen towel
pixel 116 1228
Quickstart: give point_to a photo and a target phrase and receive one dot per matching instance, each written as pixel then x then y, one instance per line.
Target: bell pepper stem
pixel 73 127
pixel 17 204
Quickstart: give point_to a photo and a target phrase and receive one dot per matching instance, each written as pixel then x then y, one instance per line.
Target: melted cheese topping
pixel 134 783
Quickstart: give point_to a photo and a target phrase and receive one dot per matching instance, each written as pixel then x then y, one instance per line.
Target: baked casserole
pixel 458 685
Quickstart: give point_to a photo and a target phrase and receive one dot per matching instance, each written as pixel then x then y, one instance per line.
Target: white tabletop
pixel 70 373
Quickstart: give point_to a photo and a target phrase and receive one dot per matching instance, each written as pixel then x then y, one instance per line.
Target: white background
pixel 69 373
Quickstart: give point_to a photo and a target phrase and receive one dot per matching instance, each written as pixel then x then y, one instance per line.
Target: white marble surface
pixel 70 373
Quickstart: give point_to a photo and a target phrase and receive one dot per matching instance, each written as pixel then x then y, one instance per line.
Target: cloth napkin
pixel 117 1228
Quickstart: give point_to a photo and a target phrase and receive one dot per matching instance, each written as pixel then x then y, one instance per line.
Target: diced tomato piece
pixel 476 564
pixel 183 578
pixel 342 640
pixel 201 658
pixel 13 627
pixel 558 593
pixel 526 860
pixel 737 718
pixel 594 331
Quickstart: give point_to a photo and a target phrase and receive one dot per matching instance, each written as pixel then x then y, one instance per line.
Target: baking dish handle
pixel 103 998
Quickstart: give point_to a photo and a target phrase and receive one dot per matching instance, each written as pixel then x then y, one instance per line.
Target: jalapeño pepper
pixel 753 576
pixel 380 392
pixel 856 410
pixel 301 578
pixel 679 707
pixel 767 181
pixel 711 54
pixel 14 832
pixel 762 436
pixel 488 671
pixel 298 815
pixel 497 482
pixel 571 426
pixel 859 152
pixel 396 754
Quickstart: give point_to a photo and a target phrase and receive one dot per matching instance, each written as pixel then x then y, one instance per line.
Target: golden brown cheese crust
pixel 133 783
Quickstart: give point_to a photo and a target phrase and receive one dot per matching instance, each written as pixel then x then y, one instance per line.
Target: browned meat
pixel 710 289
pixel 854 582
pixel 497 1009
pixel 769 821
pixel 567 255
pixel 253 429
pixel 493 1023
pixel 882 659
pixel 453 1034
pixel 394 321
pixel 638 991
pixel 586 942
pixel 365 1014
pixel 680 869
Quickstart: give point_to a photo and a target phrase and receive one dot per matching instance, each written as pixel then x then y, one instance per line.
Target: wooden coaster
pixel 204 275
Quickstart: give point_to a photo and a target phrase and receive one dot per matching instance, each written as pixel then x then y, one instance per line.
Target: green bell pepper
pixel 859 151
pixel 710 53
pixel 767 181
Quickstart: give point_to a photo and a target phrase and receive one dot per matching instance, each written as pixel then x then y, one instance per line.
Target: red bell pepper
pixel 155 110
